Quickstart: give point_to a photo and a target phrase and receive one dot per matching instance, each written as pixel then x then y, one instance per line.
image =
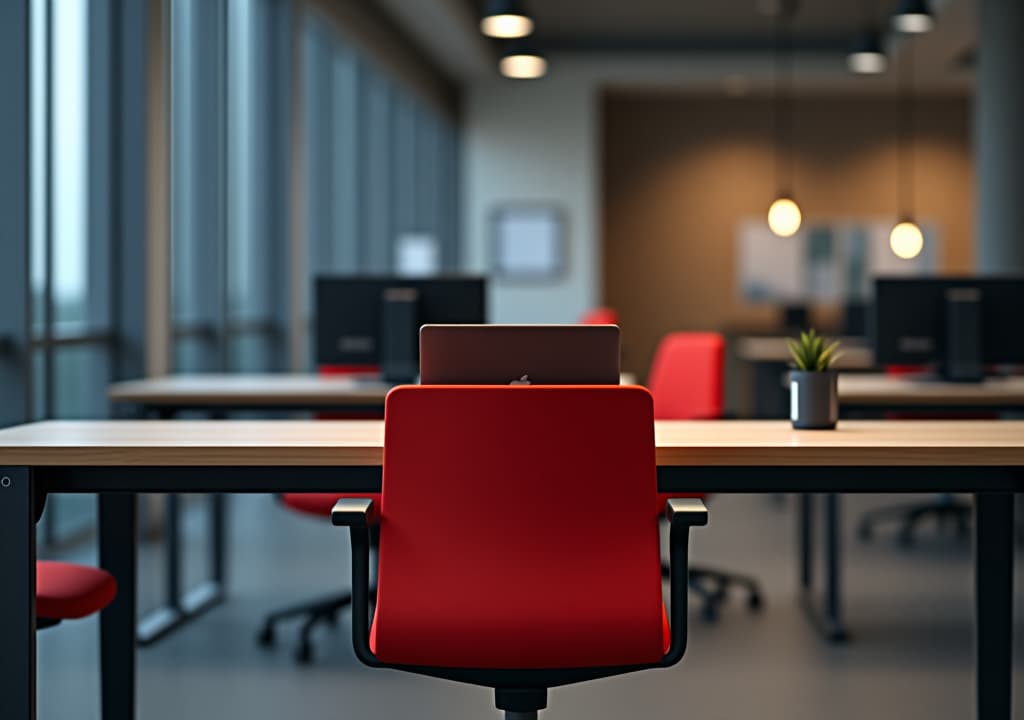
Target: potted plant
pixel 813 386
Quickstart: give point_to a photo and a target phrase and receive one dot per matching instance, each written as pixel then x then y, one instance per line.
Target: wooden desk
pixel 895 392
pixel 269 391
pixel 120 458
pixel 55 444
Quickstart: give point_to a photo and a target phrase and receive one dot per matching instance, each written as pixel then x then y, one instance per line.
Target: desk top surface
pixel 881 389
pixel 262 389
pixel 282 443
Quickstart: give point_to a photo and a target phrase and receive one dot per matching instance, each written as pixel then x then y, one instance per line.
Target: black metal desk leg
pixel 218 534
pixel 993 604
pixel 806 541
pixel 18 599
pixel 118 536
pixel 826 615
pixel 833 568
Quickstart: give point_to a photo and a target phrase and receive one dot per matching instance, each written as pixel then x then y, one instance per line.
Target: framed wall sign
pixel 528 242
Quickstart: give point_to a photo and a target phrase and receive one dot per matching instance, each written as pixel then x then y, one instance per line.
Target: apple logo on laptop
pixel 524 380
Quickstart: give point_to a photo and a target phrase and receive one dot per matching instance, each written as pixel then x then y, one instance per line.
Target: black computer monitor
pixel 960 324
pixel 373 322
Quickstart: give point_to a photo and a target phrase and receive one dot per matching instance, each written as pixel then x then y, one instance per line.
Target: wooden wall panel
pixel 679 172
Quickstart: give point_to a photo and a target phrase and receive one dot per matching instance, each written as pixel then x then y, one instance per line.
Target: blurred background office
pixel 175 174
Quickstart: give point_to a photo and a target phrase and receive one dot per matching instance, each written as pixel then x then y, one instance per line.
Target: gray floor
pixel 909 611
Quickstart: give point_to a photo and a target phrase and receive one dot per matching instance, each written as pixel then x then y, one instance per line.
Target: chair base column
pixel 521 703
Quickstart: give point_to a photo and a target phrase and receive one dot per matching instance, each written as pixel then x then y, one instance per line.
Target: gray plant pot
pixel 813 399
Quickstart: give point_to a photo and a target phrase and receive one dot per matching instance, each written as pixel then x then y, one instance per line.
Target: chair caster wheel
pixel 266 636
pixel 906 540
pixel 304 654
pixel 864 533
pixel 331 620
pixel 755 602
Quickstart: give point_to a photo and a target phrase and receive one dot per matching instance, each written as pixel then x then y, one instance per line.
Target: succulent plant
pixel 811 353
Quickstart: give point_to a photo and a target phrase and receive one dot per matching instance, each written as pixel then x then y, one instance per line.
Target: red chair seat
pixel 321 504
pixel 65 591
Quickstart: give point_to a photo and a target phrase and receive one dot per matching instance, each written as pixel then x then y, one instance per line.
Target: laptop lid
pixel 520 354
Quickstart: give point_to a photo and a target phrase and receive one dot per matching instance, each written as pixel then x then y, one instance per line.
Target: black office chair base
pixel 947 510
pixel 713 588
pixel 521 703
pixel 323 611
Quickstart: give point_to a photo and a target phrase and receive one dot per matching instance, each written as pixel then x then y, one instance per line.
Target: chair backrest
pixel 519 528
pixel 687 376
pixel 600 316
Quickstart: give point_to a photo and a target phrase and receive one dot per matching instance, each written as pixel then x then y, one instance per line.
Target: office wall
pixel 679 171
pixel 533 142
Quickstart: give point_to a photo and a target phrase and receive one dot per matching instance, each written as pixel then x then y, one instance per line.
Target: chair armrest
pixel 358 514
pixel 352 512
pixel 682 513
pixel 689 511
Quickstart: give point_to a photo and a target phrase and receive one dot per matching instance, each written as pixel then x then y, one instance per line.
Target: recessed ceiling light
pixel 521 63
pixel 867 57
pixel 506 19
pixel 913 17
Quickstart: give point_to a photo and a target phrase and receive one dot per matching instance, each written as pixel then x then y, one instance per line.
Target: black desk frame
pixel 181 607
pixel 993 488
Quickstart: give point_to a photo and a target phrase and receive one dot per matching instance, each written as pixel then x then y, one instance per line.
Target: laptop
pixel 519 355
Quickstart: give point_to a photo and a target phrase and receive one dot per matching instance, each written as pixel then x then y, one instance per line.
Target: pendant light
pixel 906 239
pixel 913 17
pixel 784 216
pixel 519 61
pixel 505 19
pixel 867 57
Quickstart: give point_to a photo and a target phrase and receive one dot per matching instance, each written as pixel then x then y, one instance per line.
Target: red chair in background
pixel 323 610
pixel 600 316
pixel 554 574
pixel 687 380
pixel 65 591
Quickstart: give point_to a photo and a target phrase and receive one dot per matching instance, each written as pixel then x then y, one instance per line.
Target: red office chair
pixel 600 316
pixel 553 574
pixel 325 609
pixel 65 591
pixel 687 382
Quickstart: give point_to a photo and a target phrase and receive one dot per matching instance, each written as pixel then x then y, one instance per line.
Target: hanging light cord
pixel 905 192
pixel 784 162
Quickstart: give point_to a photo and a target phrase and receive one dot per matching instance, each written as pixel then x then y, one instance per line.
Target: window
pixel 229 188
pixel 379 164
pixel 71 300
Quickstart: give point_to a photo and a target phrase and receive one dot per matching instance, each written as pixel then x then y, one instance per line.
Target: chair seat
pixel 666 632
pixel 321 504
pixel 65 591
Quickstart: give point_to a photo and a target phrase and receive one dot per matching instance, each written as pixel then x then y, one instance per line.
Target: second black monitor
pixel 959 324
pixel 373 323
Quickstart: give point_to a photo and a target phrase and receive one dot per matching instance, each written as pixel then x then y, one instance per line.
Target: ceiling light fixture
pixel 913 17
pixel 867 57
pixel 784 216
pixel 520 62
pixel 906 239
pixel 505 19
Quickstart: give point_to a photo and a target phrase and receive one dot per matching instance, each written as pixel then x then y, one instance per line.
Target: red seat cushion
pixel 65 591
pixel 321 504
